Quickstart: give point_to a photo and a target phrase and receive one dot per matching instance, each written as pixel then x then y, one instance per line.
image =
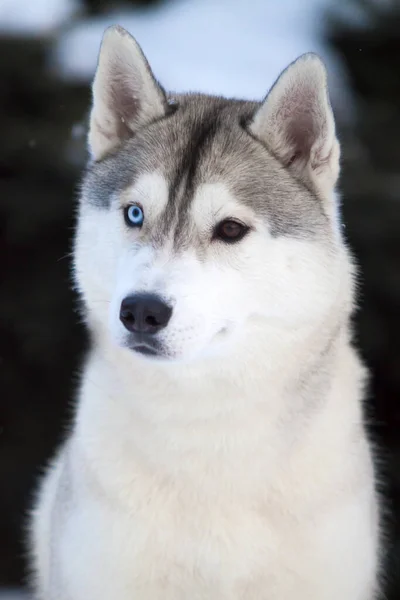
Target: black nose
pixel 144 313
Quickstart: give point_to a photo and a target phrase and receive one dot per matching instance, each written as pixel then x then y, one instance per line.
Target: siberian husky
pixel 218 450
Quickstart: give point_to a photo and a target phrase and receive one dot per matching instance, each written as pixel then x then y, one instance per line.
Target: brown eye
pixel 230 231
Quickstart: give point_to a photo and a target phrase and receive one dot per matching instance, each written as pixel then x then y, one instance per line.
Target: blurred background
pixel 48 51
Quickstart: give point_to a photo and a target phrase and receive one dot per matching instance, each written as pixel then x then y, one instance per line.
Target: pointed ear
pixel 126 95
pixel 296 123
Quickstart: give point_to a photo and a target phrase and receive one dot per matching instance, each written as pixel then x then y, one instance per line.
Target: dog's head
pixel 204 219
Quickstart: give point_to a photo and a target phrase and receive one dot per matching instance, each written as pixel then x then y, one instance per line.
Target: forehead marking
pixel 182 173
pixel 187 175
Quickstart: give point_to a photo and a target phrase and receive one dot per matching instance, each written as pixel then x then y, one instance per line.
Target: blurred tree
pixel 41 340
pixel 371 208
pixel 100 6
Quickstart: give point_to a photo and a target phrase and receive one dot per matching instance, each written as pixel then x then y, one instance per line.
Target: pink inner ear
pixel 123 97
pixel 301 122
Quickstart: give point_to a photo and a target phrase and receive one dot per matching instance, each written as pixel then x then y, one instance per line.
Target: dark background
pixel 41 340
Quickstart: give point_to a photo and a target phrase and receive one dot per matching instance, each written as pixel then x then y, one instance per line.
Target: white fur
pixel 257 278
pixel 225 478
pixel 237 467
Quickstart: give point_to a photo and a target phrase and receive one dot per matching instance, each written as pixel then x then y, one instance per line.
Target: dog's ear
pixel 296 123
pixel 126 95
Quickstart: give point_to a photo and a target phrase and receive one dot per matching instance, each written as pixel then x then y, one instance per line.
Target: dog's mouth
pixel 145 345
pixel 150 347
pixel 145 350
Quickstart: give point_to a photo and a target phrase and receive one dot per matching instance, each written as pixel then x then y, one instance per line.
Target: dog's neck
pixel 176 421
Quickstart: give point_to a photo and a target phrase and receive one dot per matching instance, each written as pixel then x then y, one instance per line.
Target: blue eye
pixel 134 216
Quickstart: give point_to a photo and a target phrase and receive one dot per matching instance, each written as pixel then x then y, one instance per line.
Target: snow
pixel 35 17
pixel 235 48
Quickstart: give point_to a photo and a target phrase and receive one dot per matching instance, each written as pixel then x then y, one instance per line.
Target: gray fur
pixel 205 140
